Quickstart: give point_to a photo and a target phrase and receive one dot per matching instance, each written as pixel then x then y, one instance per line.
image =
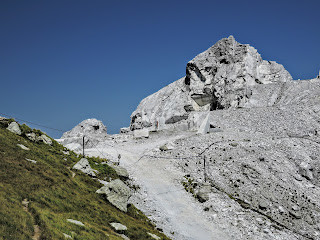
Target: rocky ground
pixel 258 186
pixel 232 152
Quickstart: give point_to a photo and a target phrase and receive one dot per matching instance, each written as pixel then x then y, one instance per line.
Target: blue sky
pixel 65 61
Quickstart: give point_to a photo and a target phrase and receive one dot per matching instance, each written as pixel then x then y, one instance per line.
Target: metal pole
pixel 83 146
pixel 204 169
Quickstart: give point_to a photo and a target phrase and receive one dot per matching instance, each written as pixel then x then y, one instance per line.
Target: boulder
pixel 84 166
pixel 119 227
pixel 121 171
pixel 14 128
pixel 43 138
pixel 117 193
pixel 139 133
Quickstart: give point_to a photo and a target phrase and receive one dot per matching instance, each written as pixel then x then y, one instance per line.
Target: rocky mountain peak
pixel 90 127
pixel 227 75
pixel 221 76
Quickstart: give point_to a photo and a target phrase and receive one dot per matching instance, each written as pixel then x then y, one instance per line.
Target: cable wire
pixel 39 125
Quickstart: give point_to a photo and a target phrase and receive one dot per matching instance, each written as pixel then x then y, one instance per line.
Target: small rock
pixel 30 160
pixel 203 193
pixel 233 144
pixel 154 236
pixel 23 147
pixel 167 146
pixel 281 209
pixel 75 222
pixel 118 226
pixel 14 128
pixel 263 204
pixel 305 170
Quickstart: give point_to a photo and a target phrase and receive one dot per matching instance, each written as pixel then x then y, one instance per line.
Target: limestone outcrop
pixel 221 77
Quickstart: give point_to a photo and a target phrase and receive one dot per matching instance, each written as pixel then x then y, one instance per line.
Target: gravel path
pixel 164 198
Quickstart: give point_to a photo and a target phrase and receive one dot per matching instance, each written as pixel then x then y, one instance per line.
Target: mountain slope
pixel 42 195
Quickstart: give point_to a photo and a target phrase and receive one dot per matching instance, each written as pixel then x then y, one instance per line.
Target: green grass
pixel 55 195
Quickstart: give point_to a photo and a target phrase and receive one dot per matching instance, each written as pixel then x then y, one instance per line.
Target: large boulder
pixel 84 166
pixel 117 193
pixel 221 77
pixel 14 127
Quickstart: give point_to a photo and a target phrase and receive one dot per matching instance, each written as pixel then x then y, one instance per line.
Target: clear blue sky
pixel 65 61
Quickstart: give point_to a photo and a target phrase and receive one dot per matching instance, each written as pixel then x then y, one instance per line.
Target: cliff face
pixel 221 77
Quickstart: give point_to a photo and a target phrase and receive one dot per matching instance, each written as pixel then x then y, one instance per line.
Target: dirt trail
pixel 177 209
pixel 36 228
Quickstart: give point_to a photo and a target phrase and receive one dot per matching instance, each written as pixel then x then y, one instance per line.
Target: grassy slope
pixel 55 196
